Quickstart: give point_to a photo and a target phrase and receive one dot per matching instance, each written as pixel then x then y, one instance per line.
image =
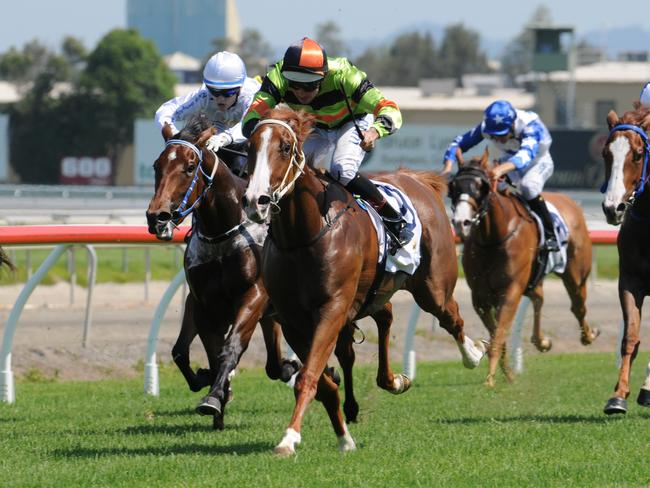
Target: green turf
pixel 547 429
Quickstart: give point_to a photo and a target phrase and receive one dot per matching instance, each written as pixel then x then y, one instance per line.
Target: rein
pixel 640 186
pixel 297 160
pixel 181 211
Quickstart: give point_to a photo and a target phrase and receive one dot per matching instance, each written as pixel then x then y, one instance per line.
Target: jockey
pixel 521 143
pixel 644 97
pixel 351 114
pixel 224 98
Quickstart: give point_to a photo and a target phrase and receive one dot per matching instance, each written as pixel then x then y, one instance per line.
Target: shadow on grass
pixel 191 449
pixel 546 419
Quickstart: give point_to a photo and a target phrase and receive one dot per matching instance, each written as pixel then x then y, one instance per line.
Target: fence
pixel 64 236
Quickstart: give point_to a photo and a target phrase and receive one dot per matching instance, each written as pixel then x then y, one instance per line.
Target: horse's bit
pixel 297 159
pixel 181 212
pixel 640 186
pixel 481 209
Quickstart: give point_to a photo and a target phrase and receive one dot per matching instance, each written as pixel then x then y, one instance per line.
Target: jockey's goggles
pixel 225 93
pixel 305 86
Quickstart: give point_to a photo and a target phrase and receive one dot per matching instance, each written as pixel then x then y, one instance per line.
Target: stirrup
pixel 551 245
pixel 398 230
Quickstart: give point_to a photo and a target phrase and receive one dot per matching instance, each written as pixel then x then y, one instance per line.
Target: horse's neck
pixel 300 217
pixel 221 209
pixel 498 222
pixel 641 207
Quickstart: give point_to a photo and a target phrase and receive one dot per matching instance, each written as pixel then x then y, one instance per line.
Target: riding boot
pixel 538 205
pixel 393 220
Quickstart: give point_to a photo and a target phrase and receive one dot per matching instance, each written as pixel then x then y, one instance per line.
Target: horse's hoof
pixel 289 368
pixel 217 422
pixel 209 405
pixel 615 405
pixel 644 397
pixel 401 383
pixel 489 381
pixel 589 339
pixel 544 345
pixel 283 451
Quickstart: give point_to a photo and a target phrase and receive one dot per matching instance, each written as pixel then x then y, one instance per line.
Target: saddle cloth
pixel 556 262
pixel 407 258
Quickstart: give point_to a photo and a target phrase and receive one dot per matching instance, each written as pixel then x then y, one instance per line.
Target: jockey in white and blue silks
pixel 520 143
pixel 224 97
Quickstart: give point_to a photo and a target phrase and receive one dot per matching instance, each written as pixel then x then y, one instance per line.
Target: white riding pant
pixel 339 149
pixel 531 181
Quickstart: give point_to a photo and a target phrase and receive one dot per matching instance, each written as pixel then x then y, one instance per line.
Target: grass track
pixel 545 430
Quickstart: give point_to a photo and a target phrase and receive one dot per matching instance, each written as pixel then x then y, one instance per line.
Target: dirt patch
pixel 48 339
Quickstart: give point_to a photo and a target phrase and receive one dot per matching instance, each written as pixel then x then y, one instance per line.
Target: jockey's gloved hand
pixel 217 141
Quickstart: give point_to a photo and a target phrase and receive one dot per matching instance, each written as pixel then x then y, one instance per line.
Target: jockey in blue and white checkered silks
pixel 519 142
pixel 644 96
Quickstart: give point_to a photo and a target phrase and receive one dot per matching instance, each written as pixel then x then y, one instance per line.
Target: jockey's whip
pixel 354 121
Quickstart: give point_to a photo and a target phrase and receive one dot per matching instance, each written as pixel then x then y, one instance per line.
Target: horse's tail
pixel 5 261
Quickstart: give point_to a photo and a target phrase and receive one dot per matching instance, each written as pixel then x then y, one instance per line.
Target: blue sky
pixel 283 21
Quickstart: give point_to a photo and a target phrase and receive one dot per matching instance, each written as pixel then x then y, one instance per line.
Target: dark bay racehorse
pixel 221 263
pixel 320 262
pixel 501 242
pixel 627 203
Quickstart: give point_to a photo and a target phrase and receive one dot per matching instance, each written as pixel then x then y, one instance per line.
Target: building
pixel 186 26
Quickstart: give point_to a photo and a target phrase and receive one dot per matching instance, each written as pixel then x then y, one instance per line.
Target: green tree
pixel 460 53
pixel 26 65
pixel 328 35
pixel 252 48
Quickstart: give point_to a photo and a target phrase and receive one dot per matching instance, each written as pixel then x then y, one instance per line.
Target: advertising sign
pixel 86 171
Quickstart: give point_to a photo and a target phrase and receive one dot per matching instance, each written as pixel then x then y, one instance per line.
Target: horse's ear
pixel 167 132
pixel 612 119
pixel 204 136
pixel 459 157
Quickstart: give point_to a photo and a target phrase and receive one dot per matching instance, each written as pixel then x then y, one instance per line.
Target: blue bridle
pixel 181 212
pixel 646 152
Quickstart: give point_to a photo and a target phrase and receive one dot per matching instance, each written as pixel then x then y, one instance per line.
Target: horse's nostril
pixel 264 200
pixel 244 201
pixel 163 217
pixel 620 207
pixel 466 223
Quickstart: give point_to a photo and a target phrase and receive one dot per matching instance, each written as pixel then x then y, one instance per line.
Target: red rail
pixel 83 234
pixel 138 234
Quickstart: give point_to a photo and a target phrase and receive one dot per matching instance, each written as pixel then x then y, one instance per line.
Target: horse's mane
pixel 640 116
pixel 300 121
pixel 193 128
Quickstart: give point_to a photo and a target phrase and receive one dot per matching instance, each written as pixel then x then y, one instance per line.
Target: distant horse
pixel 501 241
pixel 221 263
pixel 320 263
pixel 627 202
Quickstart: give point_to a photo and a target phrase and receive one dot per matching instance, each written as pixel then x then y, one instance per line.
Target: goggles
pixel 225 93
pixel 304 86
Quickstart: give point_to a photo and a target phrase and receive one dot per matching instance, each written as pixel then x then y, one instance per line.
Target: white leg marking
pixel 289 441
pixel 646 384
pixel 619 148
pixel 471 352
pixel 346 442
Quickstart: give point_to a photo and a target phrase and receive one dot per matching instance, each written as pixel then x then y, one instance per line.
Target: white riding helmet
pixel 224 70
pixel 644 97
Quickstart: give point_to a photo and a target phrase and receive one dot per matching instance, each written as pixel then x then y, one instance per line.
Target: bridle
pixel 181 212
pixel 482 207
pixel 297 160
pixel 640 186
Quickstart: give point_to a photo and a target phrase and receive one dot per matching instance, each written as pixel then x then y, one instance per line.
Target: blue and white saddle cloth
pixel 407 258
pixel 556 262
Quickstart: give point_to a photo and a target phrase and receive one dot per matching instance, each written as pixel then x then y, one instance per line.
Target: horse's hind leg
pixel 631 304
pixel 344 352
pixel 445 308
pixel 181 350
pixel 537 298
pixel 386 379
pixel 576 287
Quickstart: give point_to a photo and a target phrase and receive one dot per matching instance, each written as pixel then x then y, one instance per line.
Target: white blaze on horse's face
pixel 171 156
pixel 614 202
pixel 259 184
pixel 464 214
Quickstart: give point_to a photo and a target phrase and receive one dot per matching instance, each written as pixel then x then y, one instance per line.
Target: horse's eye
pixel 637 155
pixel 285 147
pixel 190 169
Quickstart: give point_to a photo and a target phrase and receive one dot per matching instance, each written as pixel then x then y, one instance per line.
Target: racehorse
pixel 501 242
pixel 320 262
pixel 627 203
pixel 221 263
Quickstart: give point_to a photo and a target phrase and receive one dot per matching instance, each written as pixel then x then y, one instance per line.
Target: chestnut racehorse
pixel 227 297
pixel 501 242
pixel 321 259
pixel 627 203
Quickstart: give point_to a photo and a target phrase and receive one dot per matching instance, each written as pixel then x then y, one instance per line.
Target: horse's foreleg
pixel 235 344
pixel 345 354
pixel 576 287
pixel 386 379
pixel 631 305
pixel 272 340
pixel 644 393
pixel 325 335
pixel 505 315
pixel 181 350
pixel 541 343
